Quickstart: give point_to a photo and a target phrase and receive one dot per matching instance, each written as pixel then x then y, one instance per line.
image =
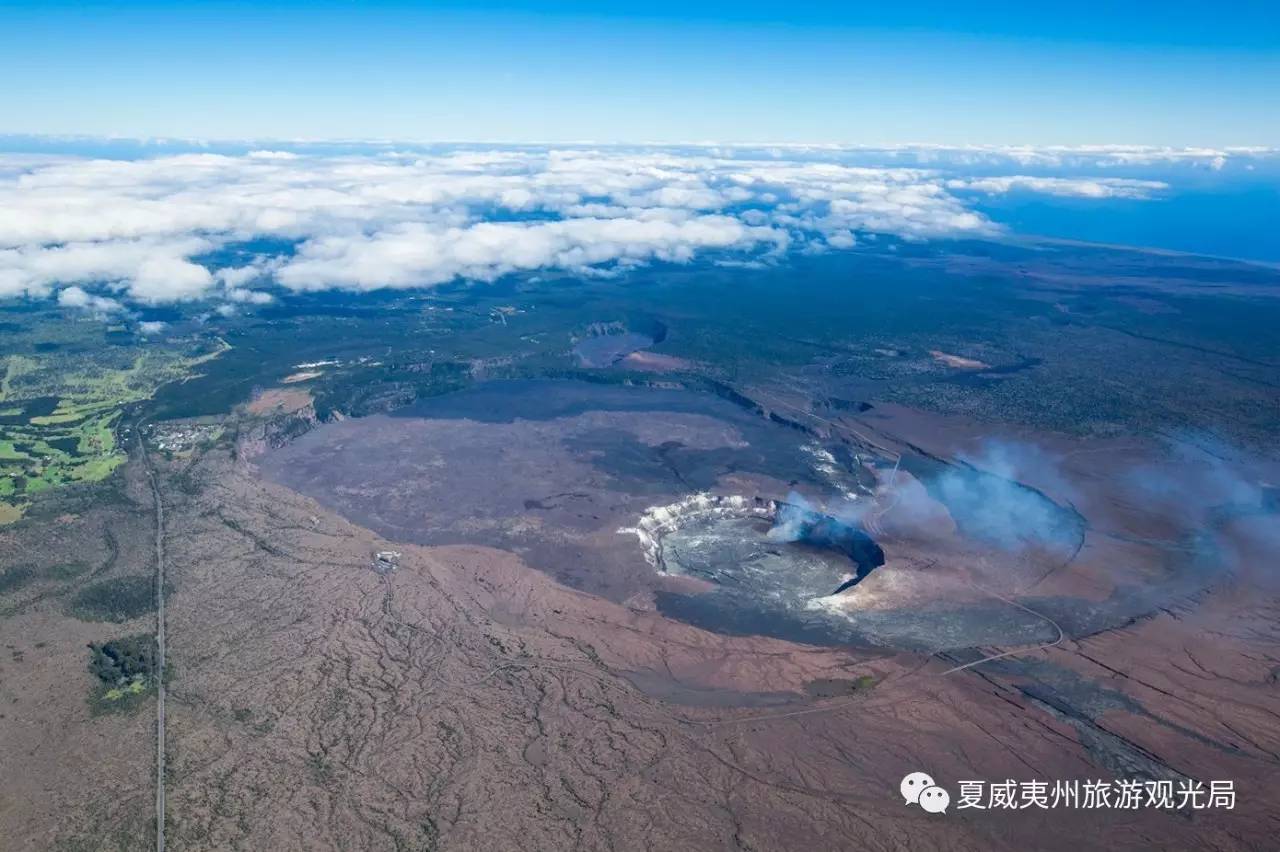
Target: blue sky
pixel 1190 73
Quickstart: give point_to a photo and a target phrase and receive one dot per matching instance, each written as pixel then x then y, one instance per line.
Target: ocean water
pixel 1234 217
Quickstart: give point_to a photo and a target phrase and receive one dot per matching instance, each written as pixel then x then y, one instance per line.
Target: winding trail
pixel 160 639
pixel 1062 635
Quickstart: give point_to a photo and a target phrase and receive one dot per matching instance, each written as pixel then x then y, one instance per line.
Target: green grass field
pixel 59 411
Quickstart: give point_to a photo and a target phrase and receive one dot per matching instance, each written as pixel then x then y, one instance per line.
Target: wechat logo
pixel 919 789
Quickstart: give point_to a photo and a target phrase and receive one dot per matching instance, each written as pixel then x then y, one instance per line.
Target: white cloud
pixel 842 240
pixel 1067 187
pixel 1050 156
pixel 76 297
pixel 148 263
pixel 236 276
pixel 168 279
pixel 396 219
pixel 418 254
pixel 248 297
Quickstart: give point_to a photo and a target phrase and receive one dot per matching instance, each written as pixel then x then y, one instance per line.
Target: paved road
pixel 160 647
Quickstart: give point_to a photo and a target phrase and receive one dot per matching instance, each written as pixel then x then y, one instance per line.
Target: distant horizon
pixel 817 144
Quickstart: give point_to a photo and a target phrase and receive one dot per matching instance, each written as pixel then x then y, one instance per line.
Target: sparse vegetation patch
pixel 121 599
pixel 12 579
pixel 125 669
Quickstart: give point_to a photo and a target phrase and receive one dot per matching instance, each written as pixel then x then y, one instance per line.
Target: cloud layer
pixel 142 230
